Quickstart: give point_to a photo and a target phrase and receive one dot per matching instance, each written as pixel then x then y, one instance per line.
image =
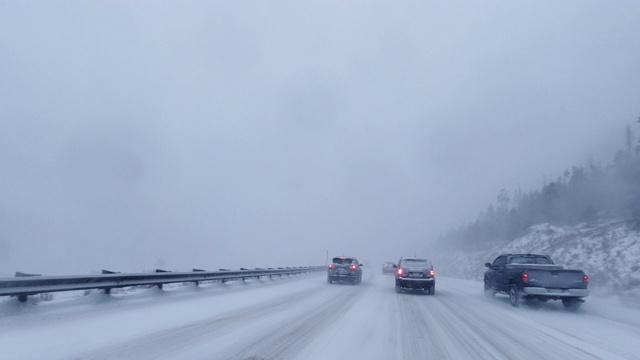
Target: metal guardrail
pixel 24 285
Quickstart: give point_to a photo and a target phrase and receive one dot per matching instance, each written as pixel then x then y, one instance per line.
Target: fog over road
pixel 307 318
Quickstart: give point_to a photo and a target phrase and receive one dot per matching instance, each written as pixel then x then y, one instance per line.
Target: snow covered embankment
pixel 609 253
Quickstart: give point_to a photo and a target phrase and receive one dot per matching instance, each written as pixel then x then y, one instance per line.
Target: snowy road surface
pixel 306 318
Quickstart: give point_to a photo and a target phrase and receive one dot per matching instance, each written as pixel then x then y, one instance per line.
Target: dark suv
pixel 415 273
pixel 344 269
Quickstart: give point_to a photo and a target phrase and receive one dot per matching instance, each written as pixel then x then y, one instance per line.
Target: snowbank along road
pixel 307 318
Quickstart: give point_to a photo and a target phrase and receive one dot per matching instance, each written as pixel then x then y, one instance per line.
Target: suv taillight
pixel 400 271
pixel 432 273
pixel 525 277
pixel 331 266
pixel 352 267
pixel 585 280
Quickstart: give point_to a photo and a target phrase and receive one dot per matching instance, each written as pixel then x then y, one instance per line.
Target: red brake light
pixel 432 273
pixel 400 271
pixel 585 280
pixel 331 266
pixel 352 267
pixel 525 278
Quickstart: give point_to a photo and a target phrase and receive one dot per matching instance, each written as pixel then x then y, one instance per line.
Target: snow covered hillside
pixel 608 252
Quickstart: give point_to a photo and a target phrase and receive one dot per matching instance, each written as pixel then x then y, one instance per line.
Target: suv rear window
pixel 416 261
pixel 530 260
pixel 343 261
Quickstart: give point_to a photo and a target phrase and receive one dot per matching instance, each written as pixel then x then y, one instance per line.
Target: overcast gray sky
pixel 180 134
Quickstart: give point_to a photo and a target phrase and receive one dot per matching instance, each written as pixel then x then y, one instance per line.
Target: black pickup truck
pixel 529 276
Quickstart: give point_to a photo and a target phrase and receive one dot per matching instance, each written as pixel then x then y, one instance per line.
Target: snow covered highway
pixel 304 317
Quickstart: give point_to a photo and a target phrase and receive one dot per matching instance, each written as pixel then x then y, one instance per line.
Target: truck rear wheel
pixel 514 296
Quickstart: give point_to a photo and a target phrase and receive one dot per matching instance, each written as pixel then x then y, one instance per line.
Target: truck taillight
pixel 331 266
pixel 352 267
pixel 432 273
pixel 585 280
pixel 525 277
pixel 400 271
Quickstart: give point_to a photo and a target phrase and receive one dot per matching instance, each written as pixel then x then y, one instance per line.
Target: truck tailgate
pixel 556 279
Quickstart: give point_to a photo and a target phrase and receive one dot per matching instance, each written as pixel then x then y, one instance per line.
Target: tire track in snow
pixel 492 336
pixel 290 339
pixel 418 339
pixel 314 320
pixel 169 342
pixel 451 325
pixel 546 329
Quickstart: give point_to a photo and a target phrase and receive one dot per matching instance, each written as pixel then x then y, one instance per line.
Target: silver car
pixel 414 273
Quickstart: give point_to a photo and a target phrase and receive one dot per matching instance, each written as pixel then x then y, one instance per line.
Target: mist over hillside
pixel 587 218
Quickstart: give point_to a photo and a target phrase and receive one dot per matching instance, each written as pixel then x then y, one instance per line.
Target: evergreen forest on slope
pixel 582 194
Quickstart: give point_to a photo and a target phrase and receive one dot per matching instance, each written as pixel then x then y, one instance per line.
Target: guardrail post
pixel 198 270
pixel 24 298
pixel 224 280
pixel 161 271
pixel 107 290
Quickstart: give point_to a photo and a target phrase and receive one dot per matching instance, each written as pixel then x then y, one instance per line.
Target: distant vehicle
pixel 344 269
pixel 529 276
pixel 416 274
pixel 388 268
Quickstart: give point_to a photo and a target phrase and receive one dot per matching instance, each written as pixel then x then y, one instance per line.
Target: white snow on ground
pixel 304 317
